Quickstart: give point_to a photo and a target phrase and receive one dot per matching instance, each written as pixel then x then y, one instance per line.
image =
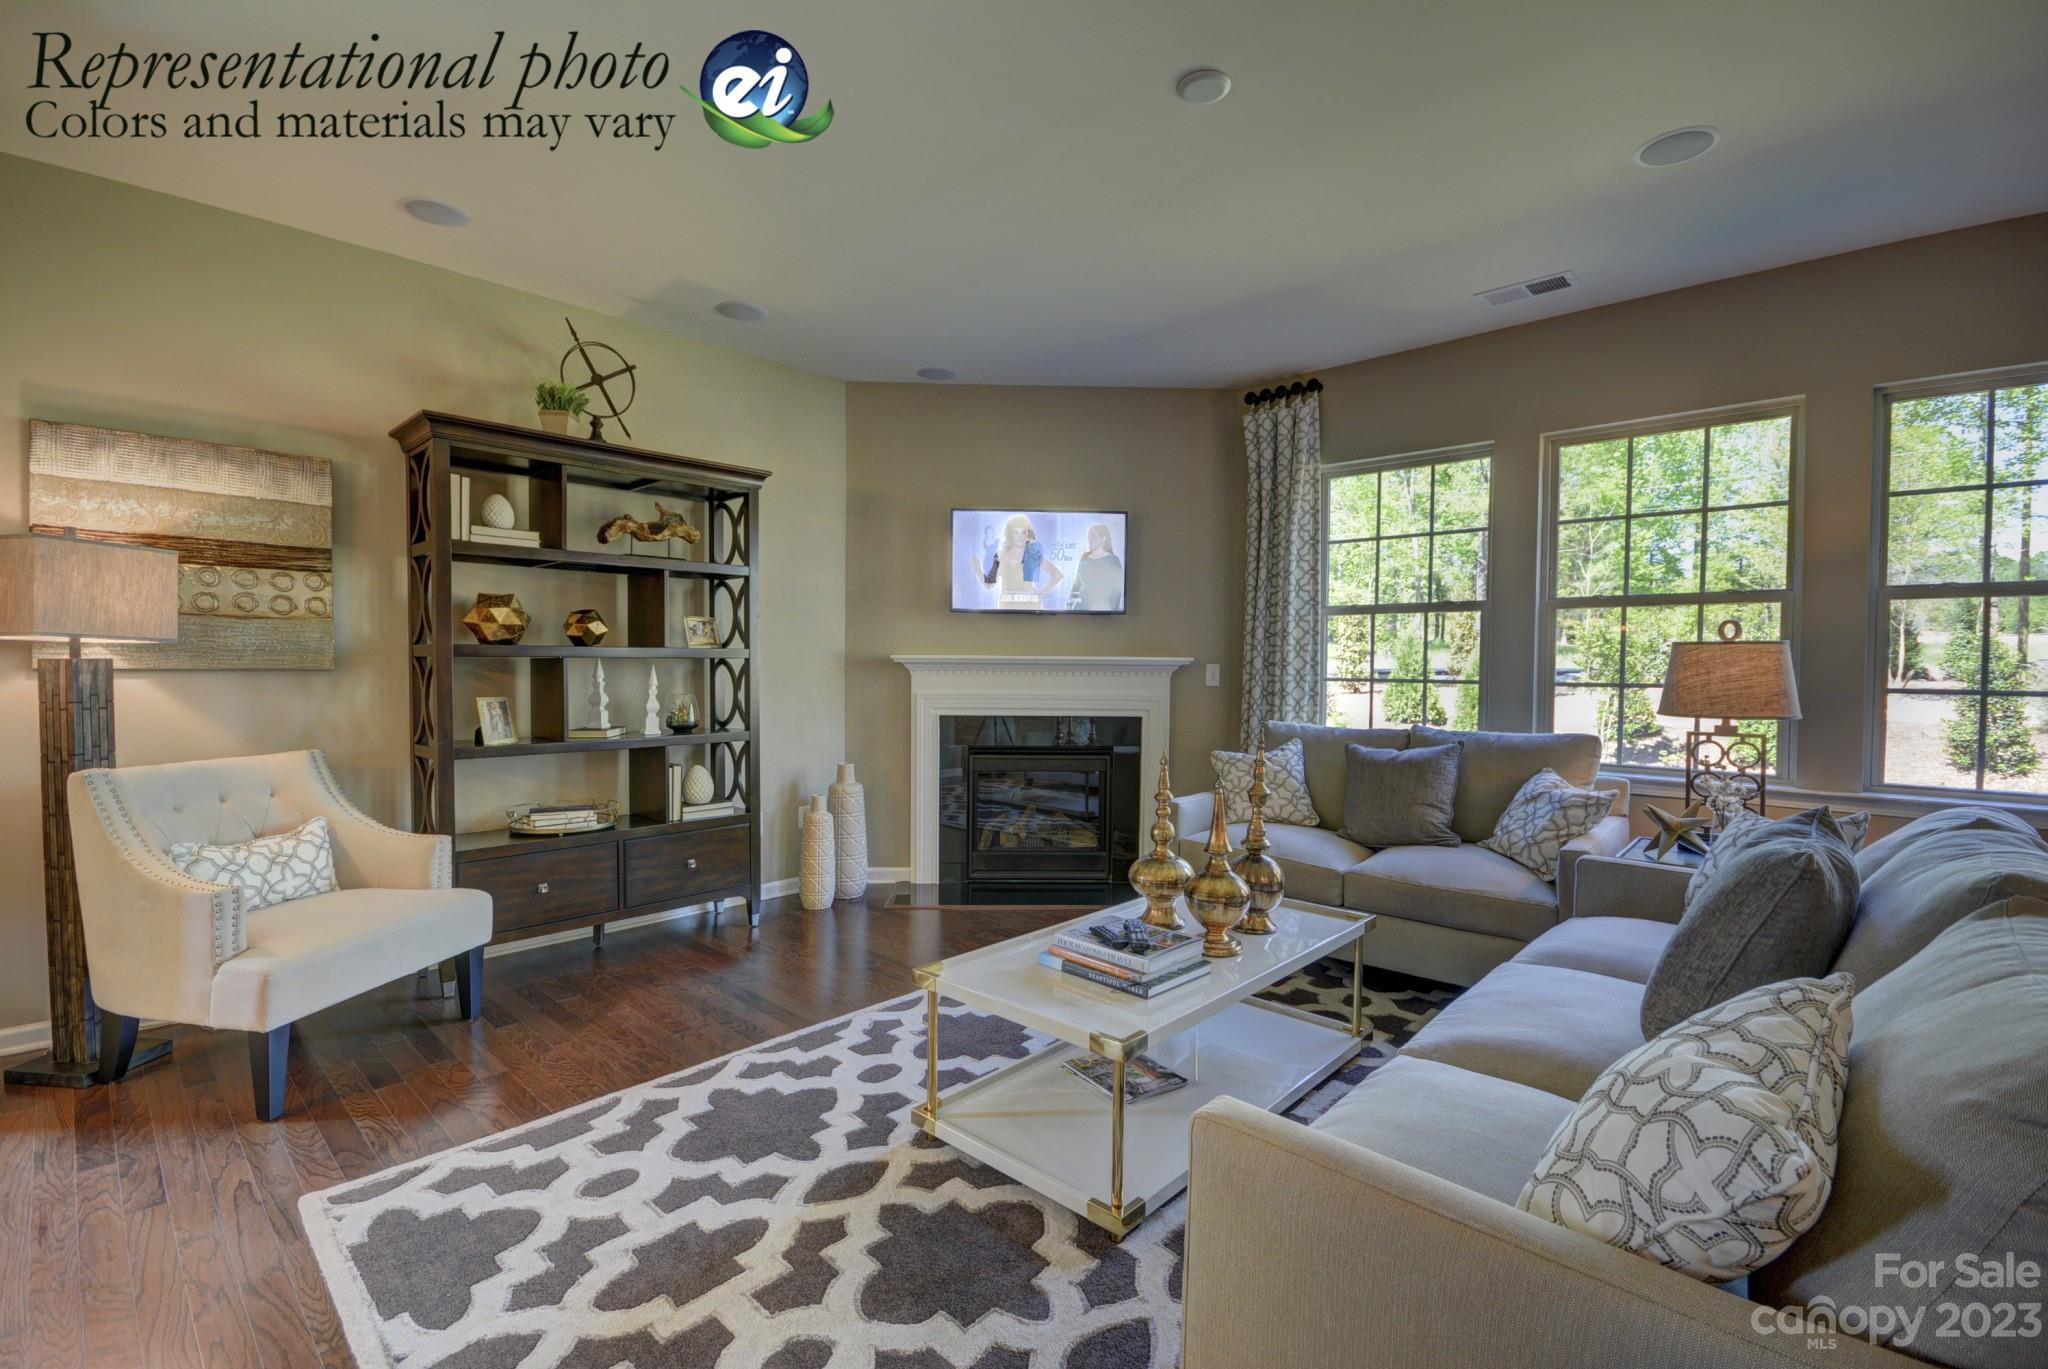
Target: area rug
pixel 775 1208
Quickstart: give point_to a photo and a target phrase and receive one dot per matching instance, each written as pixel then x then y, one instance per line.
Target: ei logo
pixel 753 88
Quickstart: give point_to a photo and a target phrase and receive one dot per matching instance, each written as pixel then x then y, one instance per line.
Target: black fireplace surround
pixel 1050 801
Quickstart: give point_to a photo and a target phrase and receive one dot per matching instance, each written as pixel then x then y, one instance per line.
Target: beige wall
pixel 136 310
pixel 1829 330
pixel 1171 458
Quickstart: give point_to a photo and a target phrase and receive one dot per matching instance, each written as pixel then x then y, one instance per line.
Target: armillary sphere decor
pixel 1730 678
pixel 1160 875
pixel 1679 829
pixel 603 379
pixel 1259 871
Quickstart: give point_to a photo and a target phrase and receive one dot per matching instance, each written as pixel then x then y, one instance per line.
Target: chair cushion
pixel 1323 758
pixel 1475 1130
pixel 1313 859
pixel 1944 1141
pixel 1776 908
pixel 1549 1028
pixel 1400 798
pixel 1932 873
pixel 1467 887
pixel 1623 947
pixel 1494 766
pixel 313 952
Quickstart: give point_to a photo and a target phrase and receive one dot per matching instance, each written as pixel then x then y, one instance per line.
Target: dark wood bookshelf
pixel 646 863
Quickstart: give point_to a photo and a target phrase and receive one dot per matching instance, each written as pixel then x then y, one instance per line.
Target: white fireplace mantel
pixel 1028 686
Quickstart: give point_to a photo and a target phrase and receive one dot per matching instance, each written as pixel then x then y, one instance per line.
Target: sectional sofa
pixel 1387 1231
pixel 1449 913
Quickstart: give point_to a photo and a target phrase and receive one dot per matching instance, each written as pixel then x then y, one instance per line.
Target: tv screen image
pixel 1038 561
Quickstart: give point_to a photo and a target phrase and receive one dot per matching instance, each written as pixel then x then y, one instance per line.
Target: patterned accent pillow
pixel 1546 814
pixel 295 864
pixel 1286 778
pixel 1854 828
pixel 1712 1147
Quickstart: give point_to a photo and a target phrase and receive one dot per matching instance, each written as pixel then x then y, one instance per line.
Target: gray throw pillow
pixel 1776 908
pixel 1400 798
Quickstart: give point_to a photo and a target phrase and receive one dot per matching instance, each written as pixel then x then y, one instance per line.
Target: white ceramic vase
pixel 849 805
pixel 816 881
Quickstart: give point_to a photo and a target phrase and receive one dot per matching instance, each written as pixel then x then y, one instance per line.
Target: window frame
pixel 1788 599
pixel 1435 456
pixel 1882 593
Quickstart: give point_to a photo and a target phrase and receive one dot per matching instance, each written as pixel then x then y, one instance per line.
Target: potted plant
pixel 558 403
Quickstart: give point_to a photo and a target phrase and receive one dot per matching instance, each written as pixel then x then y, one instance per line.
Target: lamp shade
pixel 57 588
pixel 1730 678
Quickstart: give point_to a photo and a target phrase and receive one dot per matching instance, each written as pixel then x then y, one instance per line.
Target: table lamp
pixel 70 589
pixel 1728 679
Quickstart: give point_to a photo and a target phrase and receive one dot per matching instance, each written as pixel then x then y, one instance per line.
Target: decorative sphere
pixel 497 512
pixel 697 787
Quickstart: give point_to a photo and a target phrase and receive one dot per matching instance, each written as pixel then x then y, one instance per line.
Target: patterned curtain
pixel 1283 447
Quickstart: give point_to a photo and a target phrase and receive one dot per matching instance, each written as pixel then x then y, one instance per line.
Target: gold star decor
pixel 1682 829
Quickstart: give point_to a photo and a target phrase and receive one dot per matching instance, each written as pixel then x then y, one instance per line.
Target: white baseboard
pixel 26 1039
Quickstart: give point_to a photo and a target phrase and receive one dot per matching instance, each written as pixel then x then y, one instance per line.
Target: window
pixel 1659 533
pixel 1964 589
pixel 1404 589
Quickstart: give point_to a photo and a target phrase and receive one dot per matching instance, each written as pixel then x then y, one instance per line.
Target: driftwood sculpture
pixel 666 527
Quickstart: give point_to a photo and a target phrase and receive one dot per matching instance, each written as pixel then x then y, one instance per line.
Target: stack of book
pixel 461 502
pixel 679 811
pixel 1127 957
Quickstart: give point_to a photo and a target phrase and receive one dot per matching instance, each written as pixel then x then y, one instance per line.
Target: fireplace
pixel 1037 800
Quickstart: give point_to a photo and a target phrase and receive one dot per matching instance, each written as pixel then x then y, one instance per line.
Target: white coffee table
pixel 1059 1134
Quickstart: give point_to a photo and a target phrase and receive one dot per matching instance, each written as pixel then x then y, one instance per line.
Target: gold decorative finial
pixel 1259 871
pixel 1216 896
pixel 1160 875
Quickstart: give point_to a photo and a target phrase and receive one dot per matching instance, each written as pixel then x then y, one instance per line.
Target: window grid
pixel 1699 597
pixel 1983 595
pixel 1373 684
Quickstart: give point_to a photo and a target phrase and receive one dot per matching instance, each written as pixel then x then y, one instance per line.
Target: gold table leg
pixel 926 1114
pixel 1117 1217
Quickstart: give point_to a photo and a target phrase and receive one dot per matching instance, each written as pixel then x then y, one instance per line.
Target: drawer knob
pixel 691 863
pixel 540 888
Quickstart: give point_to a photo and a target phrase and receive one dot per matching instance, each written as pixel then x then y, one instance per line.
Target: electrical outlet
pixel 1212 675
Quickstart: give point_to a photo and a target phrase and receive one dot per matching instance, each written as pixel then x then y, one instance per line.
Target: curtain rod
pixel 1299 387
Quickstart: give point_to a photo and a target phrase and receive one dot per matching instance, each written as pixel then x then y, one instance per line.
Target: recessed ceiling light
pixel 1679 145
pixel 439 213
pixel 1202 86
pixel 741 310
pixel 936 373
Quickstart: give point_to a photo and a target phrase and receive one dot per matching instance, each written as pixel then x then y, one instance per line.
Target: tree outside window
pixel 1965 589
pixel 1404 586
pixel 1660 535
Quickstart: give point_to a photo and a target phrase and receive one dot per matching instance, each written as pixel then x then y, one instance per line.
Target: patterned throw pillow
pixel 1286 779
pixel 1710 1148
pixel 1854 828
pixel 1547 813
pixel 295 864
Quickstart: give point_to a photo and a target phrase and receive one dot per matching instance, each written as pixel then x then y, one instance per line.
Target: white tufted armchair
pixel 162 944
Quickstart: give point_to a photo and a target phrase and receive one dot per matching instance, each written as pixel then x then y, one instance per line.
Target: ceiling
pixel 1012 191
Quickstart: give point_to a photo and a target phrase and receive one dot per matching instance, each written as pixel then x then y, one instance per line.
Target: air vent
pixel 1541 285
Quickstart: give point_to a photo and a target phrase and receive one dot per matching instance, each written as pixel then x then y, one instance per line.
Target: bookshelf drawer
pixel 671 869
pixel 547 886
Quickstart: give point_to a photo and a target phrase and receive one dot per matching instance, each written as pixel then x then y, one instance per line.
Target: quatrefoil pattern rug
pixel 775 1208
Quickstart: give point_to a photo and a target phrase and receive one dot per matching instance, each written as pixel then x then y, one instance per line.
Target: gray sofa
pixel 1449 913
pixel 1386 1232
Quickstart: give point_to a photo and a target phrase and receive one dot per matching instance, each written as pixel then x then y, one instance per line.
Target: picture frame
pixel 700 632
pixel 494 721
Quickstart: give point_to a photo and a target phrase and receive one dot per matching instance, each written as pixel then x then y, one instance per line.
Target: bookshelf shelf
pixel 646 862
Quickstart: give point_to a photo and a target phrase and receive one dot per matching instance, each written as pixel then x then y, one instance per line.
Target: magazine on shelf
pixel 1132 944
pixel 1144 1077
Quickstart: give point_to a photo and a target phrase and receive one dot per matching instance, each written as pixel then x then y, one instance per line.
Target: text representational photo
pixel 1038 561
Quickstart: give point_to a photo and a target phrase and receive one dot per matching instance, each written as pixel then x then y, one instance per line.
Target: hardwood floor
pixel 155 1222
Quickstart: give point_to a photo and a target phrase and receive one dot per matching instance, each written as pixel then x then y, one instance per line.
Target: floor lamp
pixel 68 589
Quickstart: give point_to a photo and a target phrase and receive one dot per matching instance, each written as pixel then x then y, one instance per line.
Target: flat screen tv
pixel 1038 561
